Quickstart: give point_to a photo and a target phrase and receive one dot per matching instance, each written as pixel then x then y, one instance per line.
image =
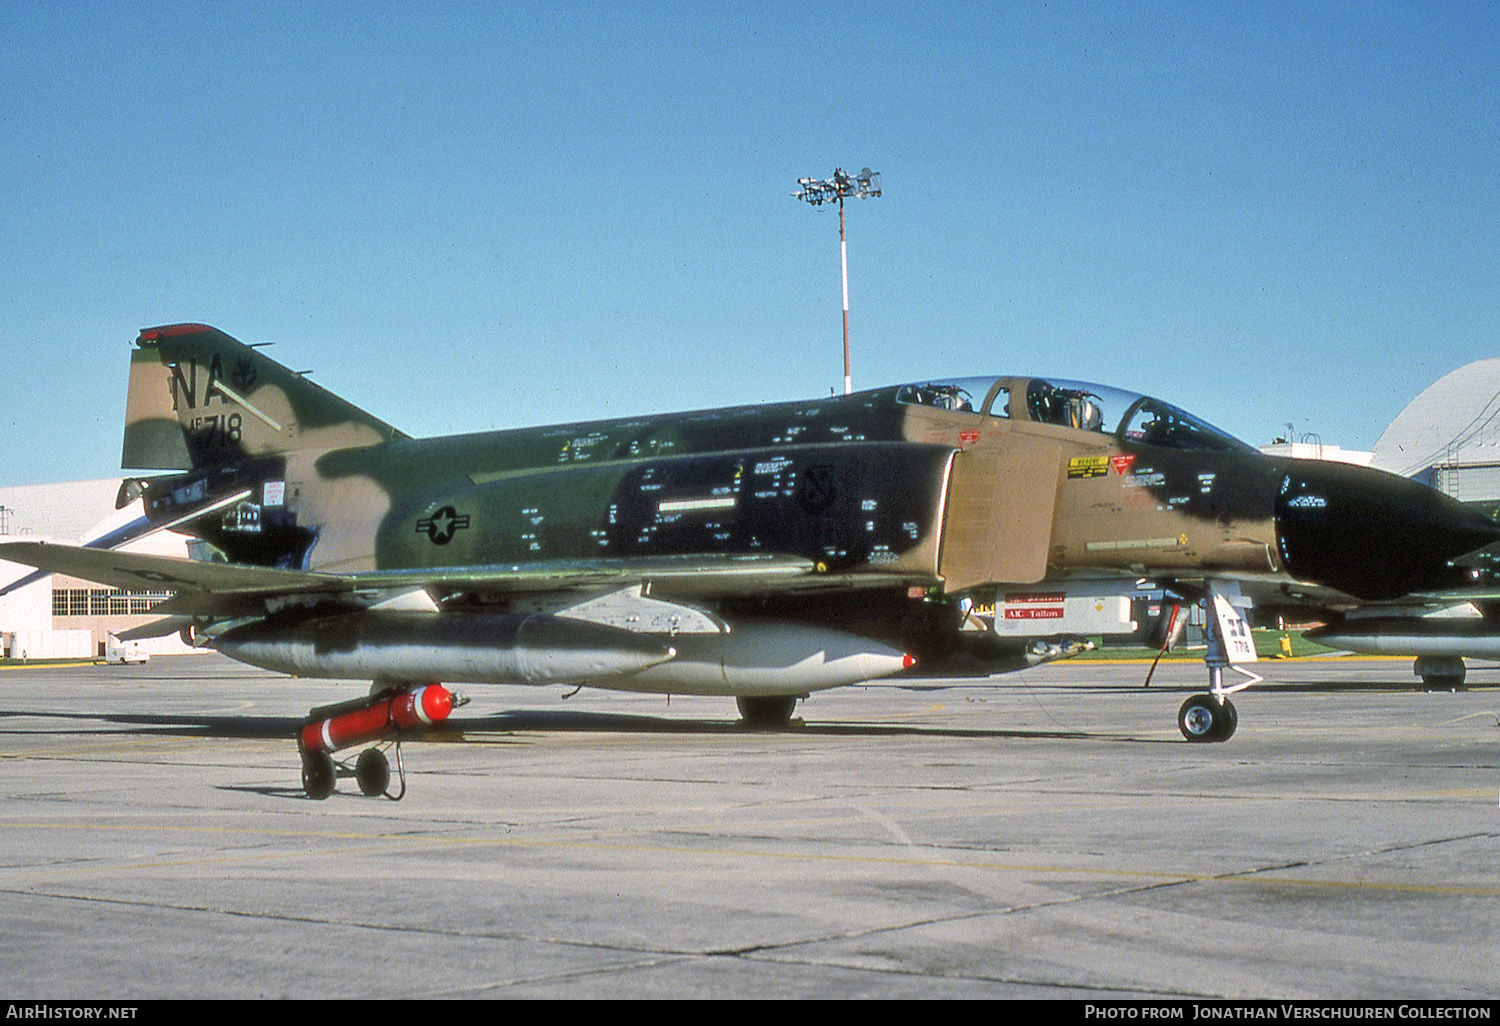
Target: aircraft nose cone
pixel 1373 535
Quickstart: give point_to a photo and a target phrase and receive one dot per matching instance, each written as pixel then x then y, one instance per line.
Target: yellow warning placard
pixel 1088 466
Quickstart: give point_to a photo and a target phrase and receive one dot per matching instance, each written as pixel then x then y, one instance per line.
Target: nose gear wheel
pixel 1207 718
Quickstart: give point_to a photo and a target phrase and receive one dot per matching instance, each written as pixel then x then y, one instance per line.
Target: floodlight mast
pixel 818 191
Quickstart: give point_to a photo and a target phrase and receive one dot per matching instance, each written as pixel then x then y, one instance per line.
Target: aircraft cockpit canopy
pixel 1153 422
pixel 1064 406
pixel 939 395
pixel 1128 416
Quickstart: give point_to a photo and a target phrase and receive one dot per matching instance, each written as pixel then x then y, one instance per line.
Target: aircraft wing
pixel 138 529
pixel 204 588
pixel 697 574
pixel 169 573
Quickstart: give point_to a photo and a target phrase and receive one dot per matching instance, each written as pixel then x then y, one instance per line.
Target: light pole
pixel 841 186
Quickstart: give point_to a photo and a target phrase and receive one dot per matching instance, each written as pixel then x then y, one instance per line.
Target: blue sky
pixel 472 216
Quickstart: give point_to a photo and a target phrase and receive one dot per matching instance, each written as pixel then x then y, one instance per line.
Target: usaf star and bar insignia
pixel 443 525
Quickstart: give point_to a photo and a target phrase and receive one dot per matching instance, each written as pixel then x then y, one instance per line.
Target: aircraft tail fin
pixel 198 398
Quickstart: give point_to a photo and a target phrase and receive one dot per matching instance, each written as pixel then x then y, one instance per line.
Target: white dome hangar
pixel 1449 435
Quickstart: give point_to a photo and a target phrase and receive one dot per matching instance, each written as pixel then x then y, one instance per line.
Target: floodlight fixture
pixel 842 186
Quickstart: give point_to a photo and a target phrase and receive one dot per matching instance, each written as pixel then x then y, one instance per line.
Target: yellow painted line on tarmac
pixel 112 866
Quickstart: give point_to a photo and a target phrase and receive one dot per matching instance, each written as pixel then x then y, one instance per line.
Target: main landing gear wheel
pixel 1442 673
pixel 318 774
pixel 1206 718
pixel 766 711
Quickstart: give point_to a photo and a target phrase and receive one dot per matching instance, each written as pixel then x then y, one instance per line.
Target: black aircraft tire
pixel 1230 719
pixel 1440 673
pixel 1203 718
pixel 1443 681
pixel 317 775
pixel 766 711
pixel 373 772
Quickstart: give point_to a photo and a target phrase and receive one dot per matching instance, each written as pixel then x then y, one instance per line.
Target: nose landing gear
pixel 1212 716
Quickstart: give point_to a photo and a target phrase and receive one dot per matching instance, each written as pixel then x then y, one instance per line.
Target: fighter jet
pixel 1450 425
pixel 971 525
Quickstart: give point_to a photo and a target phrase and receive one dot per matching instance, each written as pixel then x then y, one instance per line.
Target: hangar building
pixel 63 617
pixel 1449 435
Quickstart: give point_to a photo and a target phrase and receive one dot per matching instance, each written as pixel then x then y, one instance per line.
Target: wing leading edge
pixel 205 588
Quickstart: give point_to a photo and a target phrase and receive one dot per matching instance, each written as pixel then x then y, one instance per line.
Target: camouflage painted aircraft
pixel 760 552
